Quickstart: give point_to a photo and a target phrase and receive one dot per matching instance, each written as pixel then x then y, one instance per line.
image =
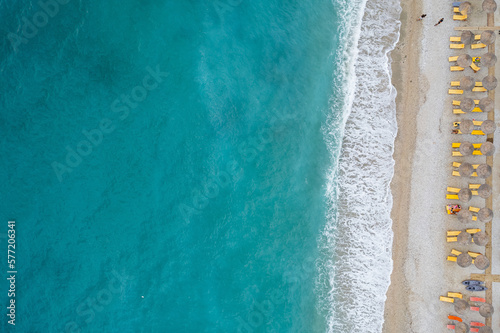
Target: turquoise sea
pixel 173 166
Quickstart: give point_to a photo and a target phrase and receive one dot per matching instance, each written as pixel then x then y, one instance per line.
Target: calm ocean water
pixel 173 165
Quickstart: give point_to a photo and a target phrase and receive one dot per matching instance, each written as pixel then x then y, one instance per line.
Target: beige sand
pixel 423 171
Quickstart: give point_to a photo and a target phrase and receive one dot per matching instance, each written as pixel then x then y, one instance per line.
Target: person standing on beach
pixel 439 22
pixel 421 17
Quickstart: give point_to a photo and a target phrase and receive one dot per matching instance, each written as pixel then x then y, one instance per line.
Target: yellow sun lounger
pixel 455 91
pixel 452 189
pixel 473 231
pixel 457 103
pixel 459 111
pixel 451 239
pixel 459 154
pixel 456 9
pixel 474 186
pixel 474 67
pixel 447 299
pixel 453 58
pixel 474 254
pixel 477 46
pixel 457 46
pixel 475 132
pixel 459 17
pixel 474 209
pixel 455 252
pixel 456 68
pixel 451 233
pixel 475 122
pixel 455 295
pixel 458 164
pixel 479 89
pixel 451 258
pixel 452 196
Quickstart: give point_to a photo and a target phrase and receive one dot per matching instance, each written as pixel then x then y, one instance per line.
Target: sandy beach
pixel 423 170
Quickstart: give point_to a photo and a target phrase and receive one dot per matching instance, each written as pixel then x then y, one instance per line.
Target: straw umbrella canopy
pixel 464 216
pixel 465 169
pixel 488 60
pixel 485 215
pixel 484 191
pixel 464 260
pixel 486 310
pixel 481 262
pixel 483 170
pixel 464 238
pixel 465 7
pixel 490 82
pixel 465 195
pixel 466 82
pixel 461 306
pixel 480 238
pixel 467 37
pixel 487 149
pixel 489 6
pixel 461 327
pixel 466 126
pixel 486 104
pixel 485 329
pixel 488 126
pixel 464 60
pixel 488 37
pixel 466 148
pixel 466 104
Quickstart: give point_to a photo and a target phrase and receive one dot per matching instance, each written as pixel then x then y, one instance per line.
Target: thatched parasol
pixel 466 82
pixel 465 7
pixel 486 104
pixel 481 238
pixel 481 262
pixel 487 149
pixel 464 195
pixel 485 215
pixel 488 37
pixel 490 82
pixel 465 169
pixel 464 260
pixel 461 306
pixel 464 238
pixel 483 170
pixel 484 191
pixel 488 126
pixel 464 216
pixel 466 126
pixel 467 37
pixel 466 148
pixel 461 327
pixel 486 310
pixel 488 60
pixel 467 104
pixel 489 6
pixel 485 329
pixel 464 60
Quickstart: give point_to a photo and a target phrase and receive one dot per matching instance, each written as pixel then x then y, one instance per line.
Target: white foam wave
pixel 357 239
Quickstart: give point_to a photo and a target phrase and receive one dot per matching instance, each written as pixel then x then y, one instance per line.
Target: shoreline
pixel 405 79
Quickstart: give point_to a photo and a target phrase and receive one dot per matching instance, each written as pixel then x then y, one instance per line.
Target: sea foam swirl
pixel 357 240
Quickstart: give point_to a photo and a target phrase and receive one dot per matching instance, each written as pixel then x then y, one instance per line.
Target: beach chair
pixel 457 46
pixel 474 209
pixel 459 17
pixel 457 103
pixel 474 186
pixel 456 9
pixel 455 92
pixel 457 40
pixel 453 232
pixel 450 327
pixel 474 308
pixel 476 323
pixel 474 329
pixel 456 68
pixel 451 239
pixel 474 67
pixel 453 189
pixel 455 295
pixel 457 145
pixel 450 317
pixel 446 299
pixel 476 299
pixel 450 258
pixel 477 46
pixel 455 83
pixel 455 252
pixel 479 89
pixel 472 231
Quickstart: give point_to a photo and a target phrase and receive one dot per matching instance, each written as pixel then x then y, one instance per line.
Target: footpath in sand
pixel 423 171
